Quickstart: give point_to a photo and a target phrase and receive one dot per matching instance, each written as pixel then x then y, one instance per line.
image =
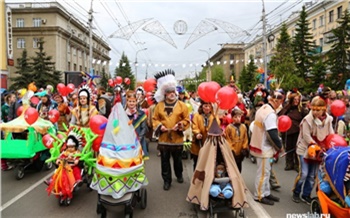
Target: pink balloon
pixel 284 123
pixel 226 98
pixel 31 115
pixel 338 108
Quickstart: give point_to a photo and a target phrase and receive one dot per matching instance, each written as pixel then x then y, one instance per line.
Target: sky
pixel 111 15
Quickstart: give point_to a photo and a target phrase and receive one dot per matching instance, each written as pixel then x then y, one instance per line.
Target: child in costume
pixel 69 155
pixel 237 137
pixel 222 189
pixel 138 119
pixel 85 110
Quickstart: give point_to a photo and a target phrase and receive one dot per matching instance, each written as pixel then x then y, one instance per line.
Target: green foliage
pixel 318 73
pixel 249 79
pixel 23 72
pixel 339 54
pixel 282 64
pixel 244 80
pixel 44 72
pixel 104 80
pixel 41 70
pixel 217 75
pixel 303 46
pixel 125 71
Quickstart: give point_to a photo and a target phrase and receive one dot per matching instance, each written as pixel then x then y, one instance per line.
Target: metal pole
pixel 136 63
pixel 264 45
pixel 209 69
pixel 90 40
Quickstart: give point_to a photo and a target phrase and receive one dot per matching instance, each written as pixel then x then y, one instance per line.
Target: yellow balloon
pixel 189 106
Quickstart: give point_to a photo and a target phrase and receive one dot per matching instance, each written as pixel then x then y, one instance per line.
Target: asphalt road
pixel 28 198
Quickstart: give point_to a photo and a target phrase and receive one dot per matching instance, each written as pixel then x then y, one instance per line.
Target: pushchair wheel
pixel 60 201
pixel 19 172
pixel 143 198
pixel 128 215
pixel 252 159
pixel 315 206
pixel 210 215
pixel 241 213
pixel 67 201
pixel 48 166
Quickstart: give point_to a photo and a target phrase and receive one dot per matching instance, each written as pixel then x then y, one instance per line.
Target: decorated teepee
pixel 119 165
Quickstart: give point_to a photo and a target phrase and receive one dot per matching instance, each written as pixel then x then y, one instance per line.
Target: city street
pixel 28 198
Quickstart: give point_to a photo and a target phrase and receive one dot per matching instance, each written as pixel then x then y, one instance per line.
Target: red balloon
pixel 335 140
pixel 47 141
pixel 149 101
pixel 54 115
pixel 150 85
pixel 61 88
pixel 19 111
pixel 111 82
pixel 201 92
pixel 70 88
pixel 31 115
pixel 210 90
pixel 98 124
pixel 226 98
pixel 97 143
pixel 228 118
pixel 338 108
pixel 127 81
pixel 284 123
pixel 118 80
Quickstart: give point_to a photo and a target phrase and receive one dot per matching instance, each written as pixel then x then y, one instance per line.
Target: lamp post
pixel 136 63
pixel 264 44
pixel 209 69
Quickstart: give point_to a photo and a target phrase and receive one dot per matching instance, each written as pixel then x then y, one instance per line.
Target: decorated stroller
pixel 333 184
pixel 215 150
pixel 74 167
pixel 23 147
pixel 119 175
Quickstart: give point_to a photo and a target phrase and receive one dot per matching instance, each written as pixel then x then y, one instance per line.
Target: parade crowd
pixel 179 120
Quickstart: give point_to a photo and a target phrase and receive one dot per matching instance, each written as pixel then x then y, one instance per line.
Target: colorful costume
pixel 119 165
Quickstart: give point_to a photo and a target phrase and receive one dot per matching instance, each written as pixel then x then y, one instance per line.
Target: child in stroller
pixel 221 186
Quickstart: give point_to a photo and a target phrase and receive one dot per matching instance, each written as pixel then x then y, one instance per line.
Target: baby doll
pixel 222 189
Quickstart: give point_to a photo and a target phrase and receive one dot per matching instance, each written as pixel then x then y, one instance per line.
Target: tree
pixel 282 64
pixel 318 76
pixel 44 72
pixel 244 80
pixel 303 46
pixel 124 70
pixel 104 80
pixel 23 71
pixel 339 54
pixel 251 72
pixel 217 75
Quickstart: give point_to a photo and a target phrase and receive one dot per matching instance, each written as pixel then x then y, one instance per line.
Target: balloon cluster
pixel 211 92
pixel 149 86
pixel 118 80
pixel 65 90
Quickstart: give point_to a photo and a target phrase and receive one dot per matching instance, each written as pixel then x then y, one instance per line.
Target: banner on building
pixel 9 33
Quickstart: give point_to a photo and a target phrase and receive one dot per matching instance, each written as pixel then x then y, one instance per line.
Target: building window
pixel 75 67
pixel 331 14
pixel 314 42
pixel 20 22
pixel 339 11
pixel 232 56
pixel 85 69
pixel 35 42
pixel 321 20
pixel 36 22
pixel 80 68
pixel 68 66
pixel 21 43
pixel 321 41
pixel 314 24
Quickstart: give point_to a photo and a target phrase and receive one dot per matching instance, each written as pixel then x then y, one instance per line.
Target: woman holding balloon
pixel 296 113
pixel 314 129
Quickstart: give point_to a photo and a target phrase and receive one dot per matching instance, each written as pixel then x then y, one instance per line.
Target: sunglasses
pixel 277 96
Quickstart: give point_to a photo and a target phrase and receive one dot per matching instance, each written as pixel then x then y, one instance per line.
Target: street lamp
pixel 136 63
pixel 264 43
pixel 209 70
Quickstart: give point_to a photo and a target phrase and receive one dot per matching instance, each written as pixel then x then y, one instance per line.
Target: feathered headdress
pixel 85 90
pixel 165 81
pixel 140 90
pixel 76 137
